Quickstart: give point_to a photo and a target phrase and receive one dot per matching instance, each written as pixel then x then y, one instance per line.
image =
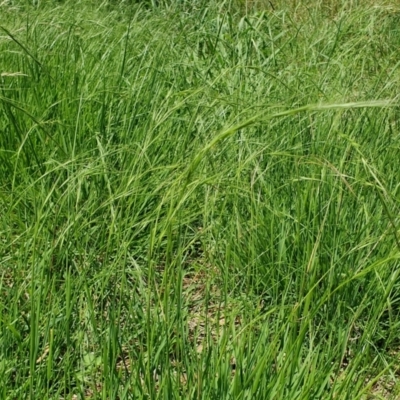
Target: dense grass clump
pixel 199 200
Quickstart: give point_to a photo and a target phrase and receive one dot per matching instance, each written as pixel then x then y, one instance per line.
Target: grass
pixel 199 200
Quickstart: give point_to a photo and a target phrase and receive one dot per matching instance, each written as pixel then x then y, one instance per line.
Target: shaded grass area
pixel 199 200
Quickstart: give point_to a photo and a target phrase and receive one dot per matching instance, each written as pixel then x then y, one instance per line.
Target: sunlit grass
pixel 199 200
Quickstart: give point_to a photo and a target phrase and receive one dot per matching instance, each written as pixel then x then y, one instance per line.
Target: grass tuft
pixel 199 200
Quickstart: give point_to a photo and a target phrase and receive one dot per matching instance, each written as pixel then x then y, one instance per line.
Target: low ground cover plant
pixel 199 200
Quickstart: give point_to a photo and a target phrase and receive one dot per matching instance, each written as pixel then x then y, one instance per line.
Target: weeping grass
pixel 199 200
